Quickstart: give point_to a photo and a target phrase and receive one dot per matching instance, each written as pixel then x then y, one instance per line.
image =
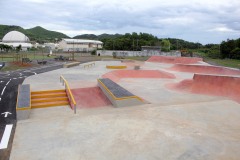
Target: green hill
pixel 38 33
pixel 95 37
pixel 41 33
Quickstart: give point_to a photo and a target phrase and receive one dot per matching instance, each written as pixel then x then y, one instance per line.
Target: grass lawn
pixel 233 63
pixel 139 58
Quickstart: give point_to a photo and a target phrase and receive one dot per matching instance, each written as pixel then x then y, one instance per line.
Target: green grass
pixel 11 68
pixel 233 63
pixel 8 57
pixel 138 58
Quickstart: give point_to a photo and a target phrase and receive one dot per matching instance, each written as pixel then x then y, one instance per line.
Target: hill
pixel 42 33
pixel 38 33
pixel 95 37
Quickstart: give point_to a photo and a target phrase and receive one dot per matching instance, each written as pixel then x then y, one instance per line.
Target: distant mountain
pixel 95 37
pixel 38 33
pixel 46 34
pixel 86 36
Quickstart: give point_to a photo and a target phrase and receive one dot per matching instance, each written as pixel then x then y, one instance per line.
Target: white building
pixel 52 46
pixel 68 45
pixel 15 38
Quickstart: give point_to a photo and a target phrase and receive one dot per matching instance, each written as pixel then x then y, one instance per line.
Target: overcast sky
pixel 204 21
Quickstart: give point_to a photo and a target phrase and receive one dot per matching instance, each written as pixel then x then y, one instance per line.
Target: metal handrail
pixel 70 96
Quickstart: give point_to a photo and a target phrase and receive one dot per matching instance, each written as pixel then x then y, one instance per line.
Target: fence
pixel 89 65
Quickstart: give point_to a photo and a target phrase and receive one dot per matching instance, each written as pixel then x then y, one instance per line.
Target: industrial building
pixel 15 38
pixel 79 45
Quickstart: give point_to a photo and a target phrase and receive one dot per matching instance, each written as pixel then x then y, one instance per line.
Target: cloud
pixel 189 19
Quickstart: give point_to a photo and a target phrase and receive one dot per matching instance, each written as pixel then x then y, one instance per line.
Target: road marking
pixel 6 114
pixel 3 90
pixel 8 82
pixel 6 136
pixel 0 99
pixel 14 78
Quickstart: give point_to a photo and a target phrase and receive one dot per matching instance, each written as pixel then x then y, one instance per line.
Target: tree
pixel 18 48
pixel 165 45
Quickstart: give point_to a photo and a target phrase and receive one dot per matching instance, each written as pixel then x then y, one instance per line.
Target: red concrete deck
pixel 118 74
pixel 226 86
pixel 204 69
pixel 90 97
pixel 174 60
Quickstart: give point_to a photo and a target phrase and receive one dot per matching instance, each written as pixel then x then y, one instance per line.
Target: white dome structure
pixel 15 36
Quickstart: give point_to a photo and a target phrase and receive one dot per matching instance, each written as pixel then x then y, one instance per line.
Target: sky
pixel 203 21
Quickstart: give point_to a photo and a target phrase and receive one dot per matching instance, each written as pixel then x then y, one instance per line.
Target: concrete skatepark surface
pixel 176 124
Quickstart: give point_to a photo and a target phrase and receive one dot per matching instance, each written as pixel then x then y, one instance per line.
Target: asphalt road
pixel 9 82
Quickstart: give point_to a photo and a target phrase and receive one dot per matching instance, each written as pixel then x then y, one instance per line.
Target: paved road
pixel 9 82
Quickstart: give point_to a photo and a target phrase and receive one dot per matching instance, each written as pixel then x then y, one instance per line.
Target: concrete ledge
pixel 68 65
pixel 116 67
pixel 118 97
pixel 23 102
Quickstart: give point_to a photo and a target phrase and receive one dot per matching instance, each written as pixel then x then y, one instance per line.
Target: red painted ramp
pixel 174 60
pixel 226 86
pixel 90 97
pixel 118 74
pixel 204 69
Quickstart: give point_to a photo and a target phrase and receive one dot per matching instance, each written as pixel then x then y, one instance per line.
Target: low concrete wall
pixel 120 102
pixel 68 65
pixel 138 53
pixel 23 102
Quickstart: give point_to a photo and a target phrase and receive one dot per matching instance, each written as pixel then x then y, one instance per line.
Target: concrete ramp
pixel 119 74
pixel 174 60
pixel 90 97
pixel 216 85
pixel 204 69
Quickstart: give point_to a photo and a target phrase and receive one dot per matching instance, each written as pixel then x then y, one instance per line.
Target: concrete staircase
pixel 50 98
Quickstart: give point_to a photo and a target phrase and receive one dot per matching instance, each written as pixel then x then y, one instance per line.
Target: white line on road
pixel 3 90
pixel 6 136
pixel 0 99
pixel 8 82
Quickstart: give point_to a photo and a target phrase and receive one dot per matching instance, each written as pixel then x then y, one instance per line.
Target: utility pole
pixel 177 44
pixel 137 44
pixel 133 44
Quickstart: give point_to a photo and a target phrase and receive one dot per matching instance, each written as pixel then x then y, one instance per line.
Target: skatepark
pixel 163 108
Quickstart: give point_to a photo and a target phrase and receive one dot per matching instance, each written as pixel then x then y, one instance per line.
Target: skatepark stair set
pixel 40 99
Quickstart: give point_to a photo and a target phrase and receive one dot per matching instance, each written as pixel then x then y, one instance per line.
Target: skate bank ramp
pixel 193 68
pixel 174 60
pixel 217 85
pixel 91 97
pixel 119 74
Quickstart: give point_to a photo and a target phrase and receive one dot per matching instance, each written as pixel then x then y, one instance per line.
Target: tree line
pixel 134 41
pixel 230 49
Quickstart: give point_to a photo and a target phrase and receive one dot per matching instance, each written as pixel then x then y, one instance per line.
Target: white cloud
pixel 188 19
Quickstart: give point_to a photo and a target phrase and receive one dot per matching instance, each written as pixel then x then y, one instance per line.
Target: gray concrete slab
pixel 208 130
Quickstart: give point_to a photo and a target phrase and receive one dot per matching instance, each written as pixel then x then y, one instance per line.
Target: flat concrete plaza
pixel 172 124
